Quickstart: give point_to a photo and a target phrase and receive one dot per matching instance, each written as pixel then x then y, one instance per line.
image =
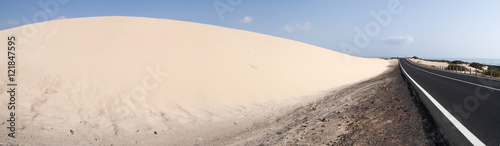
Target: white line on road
pixel 469 135
pixel 454 78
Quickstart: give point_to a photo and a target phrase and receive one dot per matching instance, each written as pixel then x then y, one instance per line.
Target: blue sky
pixel 425 28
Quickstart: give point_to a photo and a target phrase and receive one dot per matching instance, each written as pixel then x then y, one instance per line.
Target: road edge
pixel 448 125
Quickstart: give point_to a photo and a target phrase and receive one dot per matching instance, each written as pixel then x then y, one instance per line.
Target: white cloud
pixel 288 28
pixel 397 40
pixel 305 26
pixel 246 20
pixel 10 23
pixel 13 22
pixel 61 17
pixel 292 28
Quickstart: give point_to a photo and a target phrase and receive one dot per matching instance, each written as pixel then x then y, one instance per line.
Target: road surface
pixel 471 103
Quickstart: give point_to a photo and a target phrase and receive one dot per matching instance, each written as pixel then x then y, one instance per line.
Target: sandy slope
pixel 119 79
pixel 378 111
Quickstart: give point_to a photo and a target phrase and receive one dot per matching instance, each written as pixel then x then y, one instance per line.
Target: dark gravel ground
pixel 392 115
pixel 379 111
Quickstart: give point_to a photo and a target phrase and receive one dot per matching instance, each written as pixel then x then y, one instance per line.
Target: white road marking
pixel 454 78
pixel 469 135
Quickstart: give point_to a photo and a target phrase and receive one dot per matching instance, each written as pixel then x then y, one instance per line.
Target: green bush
pixel 456 67
pixel 496 72
pixel 415 57
pixel 434 60
pixel 457 62
pixel 476 65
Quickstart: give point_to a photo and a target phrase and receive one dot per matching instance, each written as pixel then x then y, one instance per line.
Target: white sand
pixel 96 76
pixel 442 64
pixel 429 63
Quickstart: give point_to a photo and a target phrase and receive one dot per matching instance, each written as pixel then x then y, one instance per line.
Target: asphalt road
pixel 473 101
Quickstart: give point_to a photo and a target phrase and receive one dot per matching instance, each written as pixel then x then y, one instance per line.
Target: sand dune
pixel 429 63
pixel 108 78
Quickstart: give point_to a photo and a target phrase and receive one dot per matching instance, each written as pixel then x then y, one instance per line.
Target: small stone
pixel 155 132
